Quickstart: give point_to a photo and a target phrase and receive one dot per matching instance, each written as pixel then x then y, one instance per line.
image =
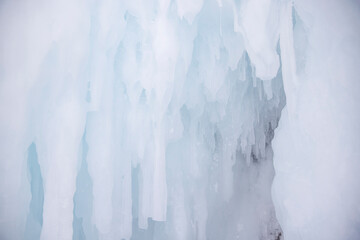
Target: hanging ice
pixel 159 119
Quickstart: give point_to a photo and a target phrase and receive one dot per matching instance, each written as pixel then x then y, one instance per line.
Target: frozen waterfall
pixel 182 119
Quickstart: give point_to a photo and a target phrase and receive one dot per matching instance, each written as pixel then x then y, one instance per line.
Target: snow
pixel 169 119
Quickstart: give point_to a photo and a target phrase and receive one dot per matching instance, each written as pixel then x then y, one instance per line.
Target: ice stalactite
pixel 156 119
pixel 138 85
pixel 58 160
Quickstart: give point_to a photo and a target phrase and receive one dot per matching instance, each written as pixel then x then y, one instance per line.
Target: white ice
pixel 169 119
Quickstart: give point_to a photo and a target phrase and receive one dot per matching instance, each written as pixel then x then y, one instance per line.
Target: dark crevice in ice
pixel 250 213
pixel 83 200
pixel 34 219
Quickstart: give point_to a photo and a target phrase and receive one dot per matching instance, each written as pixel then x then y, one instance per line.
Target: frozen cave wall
pixel 316 190
pixel 156 119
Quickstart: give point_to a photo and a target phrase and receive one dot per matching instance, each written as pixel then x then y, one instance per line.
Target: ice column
pixel 316 147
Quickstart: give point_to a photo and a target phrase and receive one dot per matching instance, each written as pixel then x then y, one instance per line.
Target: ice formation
pixel 168 119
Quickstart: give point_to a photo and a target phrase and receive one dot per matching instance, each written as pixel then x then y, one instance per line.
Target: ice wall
pixel 155 119
pixel 316 189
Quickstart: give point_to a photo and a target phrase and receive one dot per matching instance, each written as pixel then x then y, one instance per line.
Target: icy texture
pixel 316 189
pixel 155 119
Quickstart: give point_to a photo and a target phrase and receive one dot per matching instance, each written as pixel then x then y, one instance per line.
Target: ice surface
pixel 316 147
pixel 156 119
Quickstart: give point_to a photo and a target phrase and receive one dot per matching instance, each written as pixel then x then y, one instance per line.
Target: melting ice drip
pixel 149 119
